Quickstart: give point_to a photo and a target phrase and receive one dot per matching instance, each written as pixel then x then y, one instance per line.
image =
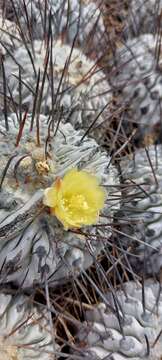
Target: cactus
pixel 127 325
pixel 82 17
pixel 138 80
pixel 144 16
pixel 26 14
pixel 68 18
pixel 51 173
pixel 141 208
pixel 9 35
pixel 24 330
pixel 79 86
pixel 33 243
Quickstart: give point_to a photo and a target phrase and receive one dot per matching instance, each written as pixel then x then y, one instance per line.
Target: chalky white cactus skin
pixel 33 243
pixel 142 208
pixel 68 18
pixel 139 81
pixel 9 35
pixel 79 17
pixel 81 88
pixel 105 338
pixel 24 330
pixel 143 16
pixel 27 15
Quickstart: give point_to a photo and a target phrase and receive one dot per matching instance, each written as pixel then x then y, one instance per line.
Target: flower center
pixel 75 203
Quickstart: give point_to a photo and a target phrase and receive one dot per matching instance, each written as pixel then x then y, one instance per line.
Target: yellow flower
pixel 76 199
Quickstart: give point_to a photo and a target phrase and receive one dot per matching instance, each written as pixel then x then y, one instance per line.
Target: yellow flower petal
pixel 75 180
pixel 50 197
pixel 76 199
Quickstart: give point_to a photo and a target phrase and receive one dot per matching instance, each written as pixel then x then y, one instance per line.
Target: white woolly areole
pixel 32 241
pixel 142 206
pixel 104 336
pixel 24 330
pixel 79 86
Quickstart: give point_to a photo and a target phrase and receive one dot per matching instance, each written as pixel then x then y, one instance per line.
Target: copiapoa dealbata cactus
pixel 127 325
pixel 27 15
pixel 144 16
pixel 68 18
pixel 34 245
pixel 24 330
pixel 141 208
pixel 81 17
pixel 138 80
pixel 65 81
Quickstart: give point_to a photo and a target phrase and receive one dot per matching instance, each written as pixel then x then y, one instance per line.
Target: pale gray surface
pixel 137 76
pixel 142 208
pixel 101 333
